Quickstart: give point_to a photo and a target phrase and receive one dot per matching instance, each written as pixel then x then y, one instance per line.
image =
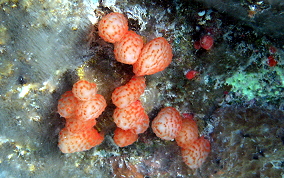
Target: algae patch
pixel 265 84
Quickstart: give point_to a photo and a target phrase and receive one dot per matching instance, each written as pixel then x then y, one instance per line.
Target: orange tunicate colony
pixel 80 107
pixel 83 105
pixel 194 149
pixel 169 125
pixel 129 114
pixel 149 59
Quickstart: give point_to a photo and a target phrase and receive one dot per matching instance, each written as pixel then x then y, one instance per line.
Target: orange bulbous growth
pixel 128 117
pixel 80 107
pixel 195 154
pixel 75 125
pixel 92 108
pixel 128 49
pixel 188 132
pixel 142 124
pixel 112 27
pixel 155 57
pixel 123 96
pixel 167 124
pixel 124 138
pixel 70 142
pixel 67 105
pixel 84 90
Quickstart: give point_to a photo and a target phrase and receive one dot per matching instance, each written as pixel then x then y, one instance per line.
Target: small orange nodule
pixel 128 49
pixel 124 138
pixel 84 90
pixel 188 132
pixel 155 57
pixel 128 117
pixel 70 142
pixel 67 105
pixel 112 27
pixel 91 109
pixel 167 124
pixel 80 107
pixel 195 154
pixel 123 96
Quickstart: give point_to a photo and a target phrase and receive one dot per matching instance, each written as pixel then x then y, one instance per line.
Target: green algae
pixel 265 84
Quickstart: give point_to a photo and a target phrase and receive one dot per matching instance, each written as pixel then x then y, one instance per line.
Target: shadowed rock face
pixel 264 21
pixel 247 141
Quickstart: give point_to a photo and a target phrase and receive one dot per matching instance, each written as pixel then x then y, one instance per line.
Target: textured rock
pixel 248 142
